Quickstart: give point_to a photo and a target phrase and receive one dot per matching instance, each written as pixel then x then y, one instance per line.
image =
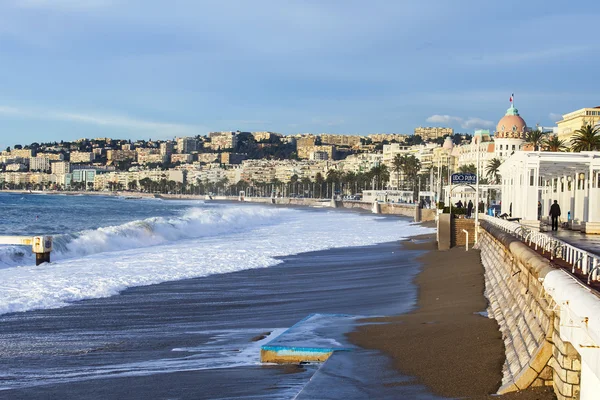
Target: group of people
pixel 470 207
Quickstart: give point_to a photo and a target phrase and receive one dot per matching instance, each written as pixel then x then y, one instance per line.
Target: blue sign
pixel 464 179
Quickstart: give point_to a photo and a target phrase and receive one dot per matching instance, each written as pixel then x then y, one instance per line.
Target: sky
pixel 141 69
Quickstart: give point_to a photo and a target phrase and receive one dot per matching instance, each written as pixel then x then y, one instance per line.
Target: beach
pixel 200 338
pixel 447 342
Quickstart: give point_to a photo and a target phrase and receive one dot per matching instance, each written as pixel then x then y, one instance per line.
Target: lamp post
pixel 448 145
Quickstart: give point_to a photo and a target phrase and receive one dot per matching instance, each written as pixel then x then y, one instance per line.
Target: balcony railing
pixel 579 260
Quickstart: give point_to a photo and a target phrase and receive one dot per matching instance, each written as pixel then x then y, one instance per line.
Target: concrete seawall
pixel 536 319
pixel 407 210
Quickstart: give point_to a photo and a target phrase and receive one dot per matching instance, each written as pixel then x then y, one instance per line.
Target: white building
pixel 61 167
pixel 39 164
pixel 81 157
pixel 573 179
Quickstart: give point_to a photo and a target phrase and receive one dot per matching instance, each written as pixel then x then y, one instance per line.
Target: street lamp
pixel 448 146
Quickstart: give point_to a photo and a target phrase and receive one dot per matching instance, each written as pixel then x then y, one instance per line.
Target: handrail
pixel 588 263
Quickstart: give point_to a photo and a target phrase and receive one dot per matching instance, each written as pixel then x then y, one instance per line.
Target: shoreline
pixel 445 342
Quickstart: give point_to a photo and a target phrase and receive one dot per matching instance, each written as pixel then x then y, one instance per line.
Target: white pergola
pixel 570 178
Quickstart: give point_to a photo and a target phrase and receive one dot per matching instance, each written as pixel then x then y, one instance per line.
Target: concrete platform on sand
pixel 313 339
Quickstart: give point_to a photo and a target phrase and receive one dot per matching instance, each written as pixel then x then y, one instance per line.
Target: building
pixel 387 137
pixel 232 158
pixel 181 158
pixel 265 136
pixel 431 133
pixel 23 153
pixel 120 155
pixel 481 147
pixel 340 140
pixel 166 149
pixel 318 156
pixel 390 151
pixel 186 145
pixel 16 167
pixel 575 120
pixel 510 134
pixel 304 151
pixel 52 156
pixel 362 162
pixel 41 164
pixel 81 157
pixel 208 158
pixel 223 140
pixel 61 167
pixel 573 179
pixel 85 176
pixel 151 158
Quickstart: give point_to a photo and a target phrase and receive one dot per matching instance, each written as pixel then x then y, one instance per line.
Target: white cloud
pixel 475 123
pixel 527 56
pixel 444 119
pixel 118 121
pixel 555 117
pixel 469 123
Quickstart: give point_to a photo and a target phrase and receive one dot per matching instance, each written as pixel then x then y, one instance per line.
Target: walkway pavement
pixel 585 242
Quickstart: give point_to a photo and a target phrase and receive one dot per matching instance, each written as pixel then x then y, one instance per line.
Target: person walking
pixel 469 209
pixel 554 214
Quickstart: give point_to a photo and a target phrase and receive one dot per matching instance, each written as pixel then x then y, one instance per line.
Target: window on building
pixel 513 147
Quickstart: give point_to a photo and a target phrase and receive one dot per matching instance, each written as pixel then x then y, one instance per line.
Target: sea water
pixel 229 272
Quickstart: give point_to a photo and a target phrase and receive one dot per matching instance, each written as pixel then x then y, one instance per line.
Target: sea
pixel 172 299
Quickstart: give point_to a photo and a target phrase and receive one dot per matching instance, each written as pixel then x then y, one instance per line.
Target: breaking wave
pixel 194 223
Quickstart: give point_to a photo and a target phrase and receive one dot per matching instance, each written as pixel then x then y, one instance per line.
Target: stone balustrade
pixel 550 333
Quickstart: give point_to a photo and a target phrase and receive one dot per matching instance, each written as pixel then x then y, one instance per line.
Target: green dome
pixel 512 110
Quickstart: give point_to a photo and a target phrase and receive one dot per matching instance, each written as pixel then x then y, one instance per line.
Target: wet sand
pixel 445 343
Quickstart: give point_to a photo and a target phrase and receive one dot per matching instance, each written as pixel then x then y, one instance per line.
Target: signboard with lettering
pixel 464 179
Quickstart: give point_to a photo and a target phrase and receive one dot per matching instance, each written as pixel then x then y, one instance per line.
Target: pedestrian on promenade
pixel 469 209
pixel 554 214
pixel 482 207
pixel 459 204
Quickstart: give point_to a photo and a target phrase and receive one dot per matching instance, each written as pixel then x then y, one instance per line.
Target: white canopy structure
pixel 570 178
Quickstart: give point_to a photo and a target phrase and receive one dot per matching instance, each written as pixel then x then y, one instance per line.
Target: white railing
pixel 586 262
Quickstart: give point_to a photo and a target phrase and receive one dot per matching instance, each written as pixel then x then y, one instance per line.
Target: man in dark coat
pixel 469 209
pixel 554 214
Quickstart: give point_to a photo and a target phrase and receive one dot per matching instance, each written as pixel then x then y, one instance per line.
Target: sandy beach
pixel 446 343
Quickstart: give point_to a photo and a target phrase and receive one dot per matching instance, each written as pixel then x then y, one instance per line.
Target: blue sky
pixel 160 69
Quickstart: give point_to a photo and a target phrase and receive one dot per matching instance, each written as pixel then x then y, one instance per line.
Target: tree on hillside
pixel 587 138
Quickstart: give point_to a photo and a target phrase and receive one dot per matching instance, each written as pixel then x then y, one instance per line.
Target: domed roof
pixel 511 125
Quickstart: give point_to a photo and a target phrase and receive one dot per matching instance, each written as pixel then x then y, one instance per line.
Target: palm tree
pixel 553 143
pixel 535 138
pixel 586 139
pixel 492 169
pixel 469 168
pixel 410 169
pixel 397 167
pixel 381 174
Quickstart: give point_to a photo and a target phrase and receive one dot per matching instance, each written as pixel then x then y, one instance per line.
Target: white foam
pixel 205 242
